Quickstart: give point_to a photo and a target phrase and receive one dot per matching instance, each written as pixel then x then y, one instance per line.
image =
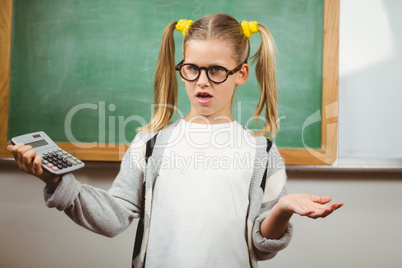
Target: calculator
pixel 54 159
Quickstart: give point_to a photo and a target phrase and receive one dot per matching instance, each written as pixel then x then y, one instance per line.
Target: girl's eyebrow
pixel 214 64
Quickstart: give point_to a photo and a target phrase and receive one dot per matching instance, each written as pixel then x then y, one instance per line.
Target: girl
pixel 208 191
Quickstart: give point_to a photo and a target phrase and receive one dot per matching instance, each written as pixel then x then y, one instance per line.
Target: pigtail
pixel 266 77
pixel 165 85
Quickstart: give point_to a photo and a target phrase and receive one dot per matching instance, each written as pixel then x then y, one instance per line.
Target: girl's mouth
pixel 203 97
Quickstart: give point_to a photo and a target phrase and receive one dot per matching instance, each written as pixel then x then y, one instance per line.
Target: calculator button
pixel 50 165
pixel 44 161
pixel 55 168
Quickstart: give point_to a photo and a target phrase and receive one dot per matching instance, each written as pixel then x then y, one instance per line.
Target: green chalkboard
pixel 83 70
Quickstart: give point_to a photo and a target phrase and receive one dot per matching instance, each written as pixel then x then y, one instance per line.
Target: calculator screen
pixel 35 144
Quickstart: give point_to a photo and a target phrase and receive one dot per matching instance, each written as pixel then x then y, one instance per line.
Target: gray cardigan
pixel 111 212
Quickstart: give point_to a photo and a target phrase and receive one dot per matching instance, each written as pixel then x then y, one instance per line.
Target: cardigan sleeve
pixel 274 189
pixel 104 212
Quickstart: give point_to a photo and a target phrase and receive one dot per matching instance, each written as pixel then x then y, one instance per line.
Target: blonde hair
pixel 227 29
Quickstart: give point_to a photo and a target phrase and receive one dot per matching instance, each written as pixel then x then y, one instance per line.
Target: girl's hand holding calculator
pixel 54 159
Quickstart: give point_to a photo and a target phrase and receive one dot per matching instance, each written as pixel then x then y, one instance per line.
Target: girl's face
pixel 215 109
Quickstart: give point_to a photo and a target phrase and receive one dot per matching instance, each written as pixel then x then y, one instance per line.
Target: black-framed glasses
pixel 216 73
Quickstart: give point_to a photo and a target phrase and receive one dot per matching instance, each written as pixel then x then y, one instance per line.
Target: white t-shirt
pixel 201 197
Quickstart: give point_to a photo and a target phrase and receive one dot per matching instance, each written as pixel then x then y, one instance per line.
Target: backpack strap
pixel 264 178
pixel 150 147
pixel 140 228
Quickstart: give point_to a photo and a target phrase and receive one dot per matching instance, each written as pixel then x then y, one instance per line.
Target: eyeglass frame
pixel 228 72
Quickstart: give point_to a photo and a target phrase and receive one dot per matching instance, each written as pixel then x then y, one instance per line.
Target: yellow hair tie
pixel 249 28
pixel 183 26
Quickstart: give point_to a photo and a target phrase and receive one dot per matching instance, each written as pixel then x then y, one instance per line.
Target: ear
pixel 243 74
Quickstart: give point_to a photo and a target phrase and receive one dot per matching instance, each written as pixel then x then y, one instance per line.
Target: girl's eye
pixel 216 70
pixel 192 68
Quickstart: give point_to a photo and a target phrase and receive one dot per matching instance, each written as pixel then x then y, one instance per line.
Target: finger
pixel 15 148
pixel 335 206
pixel 10 148
pixel 27 160
pixel 323 211
pixel 36 166
pixel 327 210
pixel 28 157
pixel 321 214
pixel 22 150
pixel 320 211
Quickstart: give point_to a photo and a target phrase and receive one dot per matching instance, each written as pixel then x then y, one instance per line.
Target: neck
pixel 208 120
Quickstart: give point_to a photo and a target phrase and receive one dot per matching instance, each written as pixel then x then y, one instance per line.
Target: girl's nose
pixel 203 80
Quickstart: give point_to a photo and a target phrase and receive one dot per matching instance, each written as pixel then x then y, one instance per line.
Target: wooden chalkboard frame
pixel 326 155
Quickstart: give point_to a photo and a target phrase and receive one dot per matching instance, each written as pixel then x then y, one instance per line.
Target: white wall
pixel 370 84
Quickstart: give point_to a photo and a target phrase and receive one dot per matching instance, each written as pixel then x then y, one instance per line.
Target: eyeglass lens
pixel 214 73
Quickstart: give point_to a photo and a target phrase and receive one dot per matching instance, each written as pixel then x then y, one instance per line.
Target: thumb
pixel 324 199
pixel 321 199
